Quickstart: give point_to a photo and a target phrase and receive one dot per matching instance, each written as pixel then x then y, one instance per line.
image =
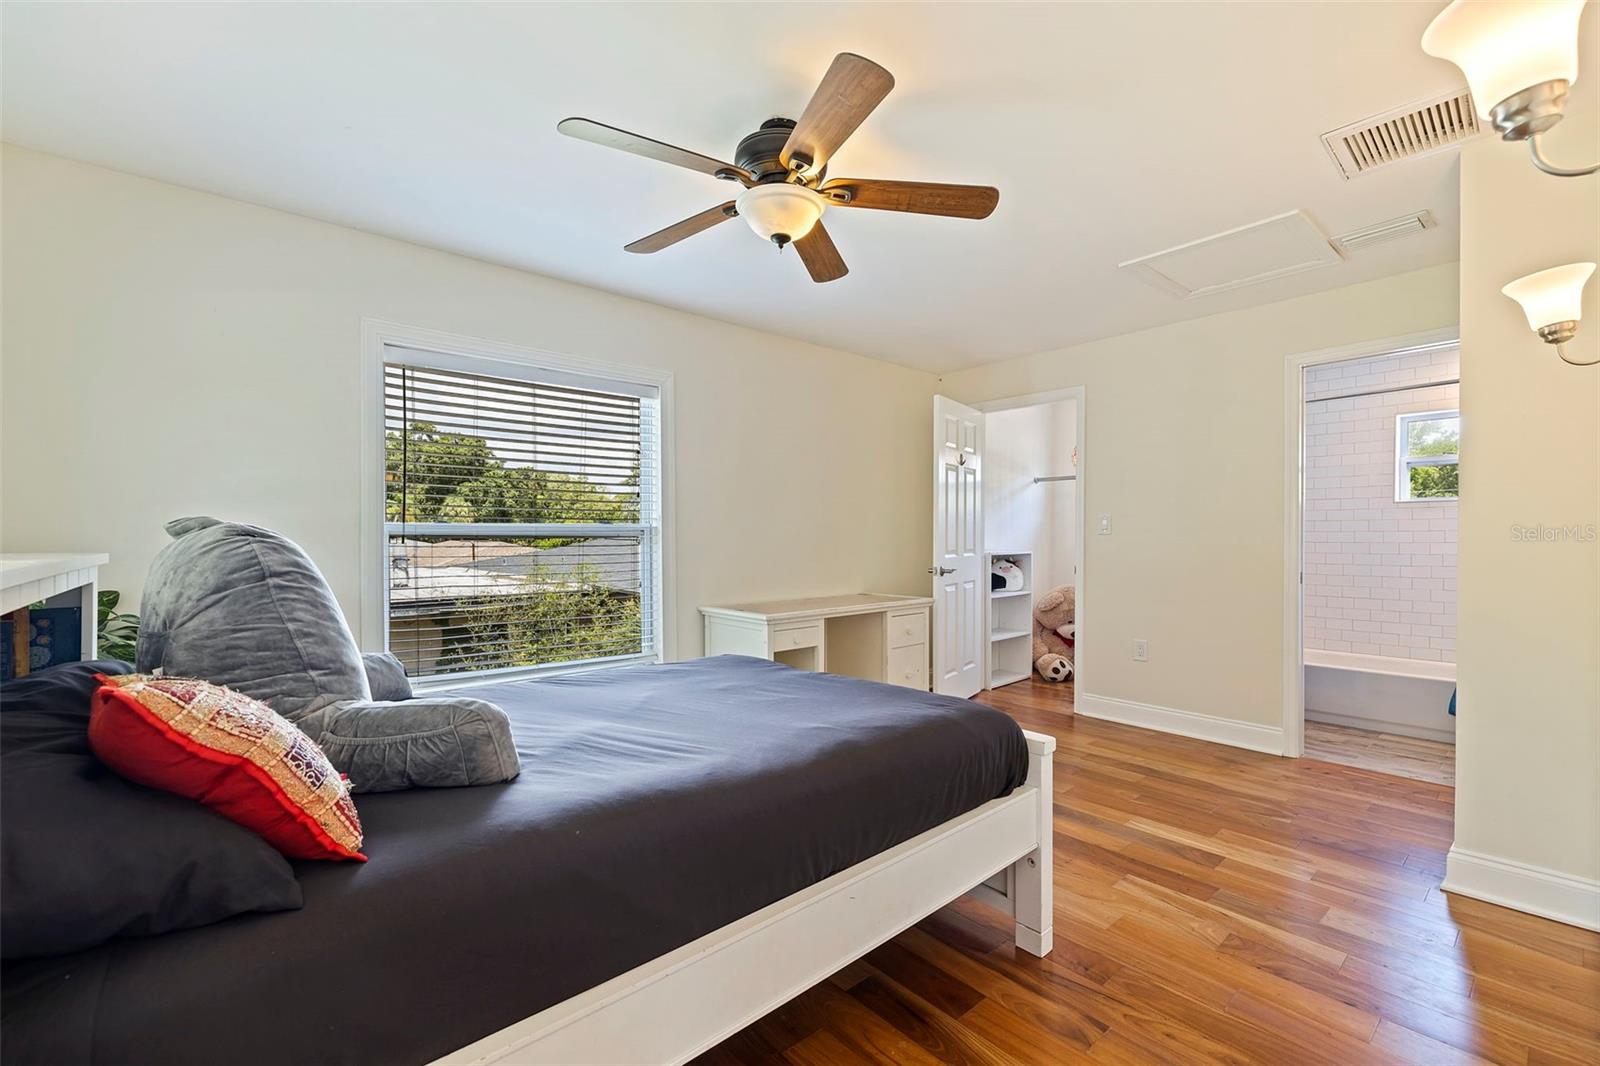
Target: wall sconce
pixel 1520 56
pixel 1553 301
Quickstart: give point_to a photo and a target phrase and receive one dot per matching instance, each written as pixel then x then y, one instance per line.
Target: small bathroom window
pixel 1427 459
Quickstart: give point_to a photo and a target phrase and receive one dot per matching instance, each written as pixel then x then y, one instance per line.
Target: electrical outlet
pixel 1103 525
pixel 1141 652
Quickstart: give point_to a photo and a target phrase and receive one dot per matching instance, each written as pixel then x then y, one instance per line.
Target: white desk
pixel 27 578
pixel 868 634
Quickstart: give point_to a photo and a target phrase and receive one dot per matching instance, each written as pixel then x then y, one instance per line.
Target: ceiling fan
pixel 783 167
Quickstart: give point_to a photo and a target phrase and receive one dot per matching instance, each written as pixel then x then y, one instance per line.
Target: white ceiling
pixel 1112 131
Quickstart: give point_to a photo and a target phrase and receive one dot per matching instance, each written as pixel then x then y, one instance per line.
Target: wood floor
pixel 1213 905
pixel 1387 753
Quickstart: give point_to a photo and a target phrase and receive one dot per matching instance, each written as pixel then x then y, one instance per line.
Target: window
pixel 522 522
pixel 1427 465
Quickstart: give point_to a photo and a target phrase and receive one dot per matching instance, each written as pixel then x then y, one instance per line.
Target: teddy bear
pixel 1054 632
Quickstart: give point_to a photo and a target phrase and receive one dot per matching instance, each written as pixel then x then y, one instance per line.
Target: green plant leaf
pixel 118 630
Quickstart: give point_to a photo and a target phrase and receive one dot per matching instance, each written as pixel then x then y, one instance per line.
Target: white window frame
pixel 389 342
pixel 1403 462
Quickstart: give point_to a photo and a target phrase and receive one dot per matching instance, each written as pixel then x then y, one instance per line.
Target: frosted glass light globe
pixel 1551 296
pixel 1506 46
pixel 780 210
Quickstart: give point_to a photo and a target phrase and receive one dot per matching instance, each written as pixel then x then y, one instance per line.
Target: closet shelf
pixel 1008 621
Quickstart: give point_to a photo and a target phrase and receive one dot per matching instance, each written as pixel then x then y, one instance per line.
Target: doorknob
pixel 941 571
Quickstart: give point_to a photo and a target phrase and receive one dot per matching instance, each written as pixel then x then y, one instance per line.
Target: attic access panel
pixel 1275 247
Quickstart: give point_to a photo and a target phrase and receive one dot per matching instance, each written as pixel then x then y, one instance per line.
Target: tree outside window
pixel 1428 461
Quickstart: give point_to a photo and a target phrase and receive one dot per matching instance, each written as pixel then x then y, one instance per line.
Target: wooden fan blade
pixel 849 91
pixel 676 232
pixel 918 197
pixel 599 133
pixel 820 256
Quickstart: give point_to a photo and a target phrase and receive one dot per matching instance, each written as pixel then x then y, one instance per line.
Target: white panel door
pixel 957 570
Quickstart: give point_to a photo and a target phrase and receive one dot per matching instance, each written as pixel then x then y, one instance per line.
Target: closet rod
pixel 1057 477
pixel 1392 388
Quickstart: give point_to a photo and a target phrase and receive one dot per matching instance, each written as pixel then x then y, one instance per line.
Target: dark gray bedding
pixel 655 804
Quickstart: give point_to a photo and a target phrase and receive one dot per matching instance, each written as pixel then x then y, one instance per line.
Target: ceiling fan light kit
pixel 783 166
pixel 780 212
pixel 1520 58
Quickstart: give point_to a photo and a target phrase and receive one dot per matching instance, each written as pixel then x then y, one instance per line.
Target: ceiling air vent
pixel 1390 230
pixel 1404 133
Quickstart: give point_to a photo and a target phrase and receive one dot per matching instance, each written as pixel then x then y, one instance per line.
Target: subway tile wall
pixel 1380 576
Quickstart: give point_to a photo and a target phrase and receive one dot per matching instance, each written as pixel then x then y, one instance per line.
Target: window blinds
pixel 522 519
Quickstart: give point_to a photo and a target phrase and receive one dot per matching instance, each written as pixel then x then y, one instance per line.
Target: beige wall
pixel 168 352
pixel 1184 449
pixel 1528 735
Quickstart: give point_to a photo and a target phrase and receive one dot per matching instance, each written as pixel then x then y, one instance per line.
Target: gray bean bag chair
pixel 245 607
pixel 386 676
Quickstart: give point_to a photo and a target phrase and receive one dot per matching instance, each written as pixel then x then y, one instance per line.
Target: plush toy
pixel 1004 575
pixel 1054 633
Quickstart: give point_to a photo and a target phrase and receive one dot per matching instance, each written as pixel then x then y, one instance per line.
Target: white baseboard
pixel 1267 738
pixel 1533 889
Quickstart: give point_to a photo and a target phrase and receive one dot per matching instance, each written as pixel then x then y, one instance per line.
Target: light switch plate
pixel 1103 525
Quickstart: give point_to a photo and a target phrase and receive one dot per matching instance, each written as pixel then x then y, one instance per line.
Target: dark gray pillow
pixel 49 710
pixel 86 856
pixel 245 607
pixel 428 742
pixel 386 676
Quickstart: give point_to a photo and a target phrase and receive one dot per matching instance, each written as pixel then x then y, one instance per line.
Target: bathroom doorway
pixel 1379 480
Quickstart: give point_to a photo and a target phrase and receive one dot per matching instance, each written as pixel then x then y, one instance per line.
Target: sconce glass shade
pixel 780 209
pixel 1551 296
pixel 1506 46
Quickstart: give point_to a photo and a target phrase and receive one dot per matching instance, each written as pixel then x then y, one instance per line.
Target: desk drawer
pixel 908 666
pixel 908 629
pixel 804 635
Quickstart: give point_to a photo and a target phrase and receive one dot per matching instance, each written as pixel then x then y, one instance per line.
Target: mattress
pixel 655 805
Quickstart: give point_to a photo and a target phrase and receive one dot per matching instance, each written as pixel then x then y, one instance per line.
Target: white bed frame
pixel 674 1007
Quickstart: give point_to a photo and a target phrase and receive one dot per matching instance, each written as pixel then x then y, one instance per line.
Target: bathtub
pixel 1410 697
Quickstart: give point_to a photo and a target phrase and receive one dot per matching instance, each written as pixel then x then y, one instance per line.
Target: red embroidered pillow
pixel 233 754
